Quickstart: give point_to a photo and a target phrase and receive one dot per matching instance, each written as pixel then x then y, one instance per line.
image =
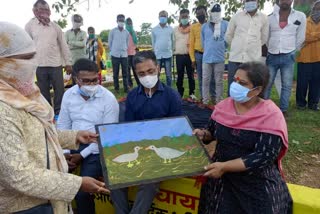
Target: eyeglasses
pixel 88 81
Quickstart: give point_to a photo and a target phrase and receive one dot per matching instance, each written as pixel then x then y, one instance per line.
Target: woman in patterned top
pixel 33 170
pixel 252 138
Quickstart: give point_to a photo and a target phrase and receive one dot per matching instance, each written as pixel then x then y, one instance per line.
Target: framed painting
pixel 149 151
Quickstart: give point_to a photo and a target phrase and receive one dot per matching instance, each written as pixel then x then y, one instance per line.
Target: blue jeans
pixel 285 64
pixel 232 69
pixel 212 86
pixel 167 66
pixel 142 203
pixel 90 167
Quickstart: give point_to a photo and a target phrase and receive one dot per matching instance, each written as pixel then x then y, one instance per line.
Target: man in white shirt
pixel 52 53
pixel 247 32
pixel 287 34
pixel 83 106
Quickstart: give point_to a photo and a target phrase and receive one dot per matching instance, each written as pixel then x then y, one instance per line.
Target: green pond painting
pixel 149 151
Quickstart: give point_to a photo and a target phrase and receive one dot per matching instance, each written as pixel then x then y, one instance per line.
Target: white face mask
pixel 149 81
pixel 76 25
pixel 89 90
pixel 215 17
pixel 121 24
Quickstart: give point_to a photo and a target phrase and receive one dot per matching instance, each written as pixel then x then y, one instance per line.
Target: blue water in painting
pixel 114 134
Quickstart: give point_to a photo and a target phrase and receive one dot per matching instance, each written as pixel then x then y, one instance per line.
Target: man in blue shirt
pixel 118 43
pixel 151 99
pixel 83 106
pixel 214 46
pixel 162 44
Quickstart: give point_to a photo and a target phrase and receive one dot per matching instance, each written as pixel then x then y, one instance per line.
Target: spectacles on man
pixel 88 81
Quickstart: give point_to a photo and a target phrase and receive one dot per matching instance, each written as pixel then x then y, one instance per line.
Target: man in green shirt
pixel 76 39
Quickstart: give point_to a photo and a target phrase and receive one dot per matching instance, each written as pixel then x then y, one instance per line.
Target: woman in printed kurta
pixel 33 170
pixel 251 134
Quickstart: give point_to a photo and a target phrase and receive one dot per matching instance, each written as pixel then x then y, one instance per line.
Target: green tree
pixel 64 8
pixel 144 36
pixel 104 35
pixel 231 6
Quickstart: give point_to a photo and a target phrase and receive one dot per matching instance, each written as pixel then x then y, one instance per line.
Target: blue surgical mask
pixel 239 93
pixel 163 20
pixel 184 22
pixel 250 6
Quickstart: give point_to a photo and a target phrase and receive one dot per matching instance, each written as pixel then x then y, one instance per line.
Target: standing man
pixel 196 50
pixel 52 53
pixel 247 32
pixel 181 45
pixel 214 45
pixel 151 99
pixel 309 63
pixel 162 44
pixel 131 51
pixel 118 43
pixel 287 34
pixel 76 39
pixel 83 106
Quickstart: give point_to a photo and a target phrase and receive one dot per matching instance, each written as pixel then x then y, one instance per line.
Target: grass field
pixel 149 166
pixel 302 162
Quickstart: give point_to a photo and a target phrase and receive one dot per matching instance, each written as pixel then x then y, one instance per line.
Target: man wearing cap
pixel 247 32
pixel 76 39
pixel 214 45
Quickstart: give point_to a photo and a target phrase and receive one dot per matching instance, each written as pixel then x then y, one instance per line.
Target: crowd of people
pixel 252 138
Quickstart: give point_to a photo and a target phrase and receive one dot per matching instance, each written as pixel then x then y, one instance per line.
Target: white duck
pixel 166 153
pixel 129 157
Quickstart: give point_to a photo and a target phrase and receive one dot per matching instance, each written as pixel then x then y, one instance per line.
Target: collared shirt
pixel 77 44
pixel 310 51
pixel 291 37
pixel 214 50
pixel 181 42
pixel 165 102
pixel 52 49
pixel 246 34
pixel 195 40
pixel 79 114
pixel 119 42
pixel 162 41
pixel 131 47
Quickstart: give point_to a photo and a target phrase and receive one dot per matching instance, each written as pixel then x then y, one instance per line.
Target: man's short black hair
pixel 91 29
pixel 39 2
pixel 183 11
pixel 120 16
pixel 143 56
pixel 201 7
pixel 84 64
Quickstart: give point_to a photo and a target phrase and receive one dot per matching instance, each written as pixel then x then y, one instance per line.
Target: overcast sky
pixel 101 16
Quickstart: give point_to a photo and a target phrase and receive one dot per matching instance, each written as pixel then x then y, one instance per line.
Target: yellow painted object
pixel 305 200
pixel 180 196
pixel 175 196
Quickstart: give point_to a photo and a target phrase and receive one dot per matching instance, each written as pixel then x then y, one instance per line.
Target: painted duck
pixel 130 157
pixel 166 153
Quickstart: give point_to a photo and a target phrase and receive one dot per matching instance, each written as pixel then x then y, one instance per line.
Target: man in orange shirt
pixel 309 63
pixel 196 50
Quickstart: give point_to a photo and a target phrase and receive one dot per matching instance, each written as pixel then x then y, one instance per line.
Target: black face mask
pixel 201 18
